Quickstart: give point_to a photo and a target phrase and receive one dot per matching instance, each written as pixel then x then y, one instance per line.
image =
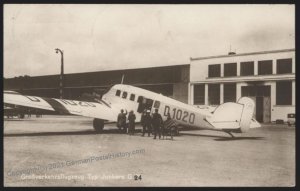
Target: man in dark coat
pixel 143 120
pixel 156 123
pixel 121 123
pixel 147 120
pixel 131 119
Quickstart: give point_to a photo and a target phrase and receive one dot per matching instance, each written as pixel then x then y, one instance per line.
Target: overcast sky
pixel 110 37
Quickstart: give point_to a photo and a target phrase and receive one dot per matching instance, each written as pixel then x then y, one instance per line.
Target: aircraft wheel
pixel 176 132
pixel 98 124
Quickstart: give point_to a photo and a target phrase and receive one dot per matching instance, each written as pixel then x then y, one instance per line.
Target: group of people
pixel 121 123
pixel 150 123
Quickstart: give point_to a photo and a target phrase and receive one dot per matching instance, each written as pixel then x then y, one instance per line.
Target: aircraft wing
pixel 99 110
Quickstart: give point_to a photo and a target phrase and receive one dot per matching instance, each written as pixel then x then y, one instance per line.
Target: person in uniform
pixel 29 113
pixel 164 127
pixel 131 119
pixel 147 123
pixel 121 123
pixel 143 120
pixel 156 123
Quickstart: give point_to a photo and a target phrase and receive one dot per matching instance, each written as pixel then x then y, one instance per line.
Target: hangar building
pixel 267 77
pixel 171 81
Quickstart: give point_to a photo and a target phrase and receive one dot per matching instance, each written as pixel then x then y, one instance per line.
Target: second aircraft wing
pixel 99 110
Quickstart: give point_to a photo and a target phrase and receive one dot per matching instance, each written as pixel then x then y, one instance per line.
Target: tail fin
pixel 247 113
pixel 236 117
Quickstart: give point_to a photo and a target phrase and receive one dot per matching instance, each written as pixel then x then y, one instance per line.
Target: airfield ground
pixel 261 157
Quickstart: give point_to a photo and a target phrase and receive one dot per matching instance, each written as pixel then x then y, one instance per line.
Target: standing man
pixel 156 122
pixel 29 113
pixel 131 119
pixel 143 121
pixel 121 123
pixel 147 123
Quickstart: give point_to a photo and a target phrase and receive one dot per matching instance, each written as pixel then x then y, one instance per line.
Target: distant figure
pixel 121 122
pixel 21 115
pixel 29 113
pixel 143 119
pixel 131 119
pixel 147 123
pixel 156 123
pixel 37 113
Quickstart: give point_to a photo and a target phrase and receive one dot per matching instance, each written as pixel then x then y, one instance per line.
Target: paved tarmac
pixel 65 151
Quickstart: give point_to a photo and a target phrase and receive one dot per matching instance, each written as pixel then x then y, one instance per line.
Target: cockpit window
pixel 156 104
pixel 118 93
pixel 124 95
pixel 132 97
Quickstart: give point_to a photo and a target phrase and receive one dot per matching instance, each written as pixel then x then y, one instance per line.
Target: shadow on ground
pixel 117 131
pixel 239 138
pixel 85 132
pixel 224 138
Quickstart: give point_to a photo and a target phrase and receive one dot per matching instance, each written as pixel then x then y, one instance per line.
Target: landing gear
pixel 98 124
pixel 176 131
pixel 230 134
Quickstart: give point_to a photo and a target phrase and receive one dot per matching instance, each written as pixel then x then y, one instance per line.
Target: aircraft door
pixel 149 104
pixel 141 104
pixel 144 103
pixel 156 104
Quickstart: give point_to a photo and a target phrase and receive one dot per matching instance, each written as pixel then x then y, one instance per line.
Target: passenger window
pixel 124 95
pixel 156 104
pixel 118 93
pixel 132 97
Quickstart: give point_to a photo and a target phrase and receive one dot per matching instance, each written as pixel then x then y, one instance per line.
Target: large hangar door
pixel 267 110
pixel 261 95
pixel 259 109
pixel 263 109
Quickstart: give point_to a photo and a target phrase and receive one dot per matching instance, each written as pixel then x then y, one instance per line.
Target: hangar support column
pixel 206 94
pixel 274 70
pixel 238 91
pixel 191 94
pixel 221 93
pixel 293 93
pixel 293 66
pixel 255 68
pixel 238 69
pixel 222 70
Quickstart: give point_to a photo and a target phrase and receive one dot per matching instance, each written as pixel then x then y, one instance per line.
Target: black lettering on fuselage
pixel 179 114
pixel 68 102
pixel 86 104
pixel 32 98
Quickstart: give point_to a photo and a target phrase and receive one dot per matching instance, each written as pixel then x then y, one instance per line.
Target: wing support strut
pixel 232 136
